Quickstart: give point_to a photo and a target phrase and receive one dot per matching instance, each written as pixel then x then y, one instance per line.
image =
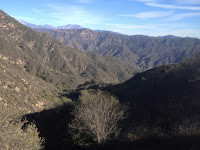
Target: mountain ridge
pixel 143 51
pixel 46 57
pixel 47 26
pixel 165 98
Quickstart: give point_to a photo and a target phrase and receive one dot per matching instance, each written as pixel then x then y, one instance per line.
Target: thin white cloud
pixel 154 14
pixel 24 18
pixel 186 33
pixel 84 1
pixel 144 0
pixel 38 11
pixel 177 17
pixel 172 6
pixel 168 15
pixel 130 26
pixel 151 14
pixel 162 26
pixel 190 2
pixel 72 14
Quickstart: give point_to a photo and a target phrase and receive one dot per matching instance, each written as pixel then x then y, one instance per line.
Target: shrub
pixel 12 136
pixel 96 117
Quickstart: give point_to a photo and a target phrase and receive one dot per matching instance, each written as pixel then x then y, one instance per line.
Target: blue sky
pixel 146 17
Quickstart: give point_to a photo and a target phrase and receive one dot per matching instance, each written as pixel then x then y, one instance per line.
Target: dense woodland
pixel 97 90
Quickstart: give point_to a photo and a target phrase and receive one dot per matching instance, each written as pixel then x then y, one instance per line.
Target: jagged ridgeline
pixel 53 62
pixel 142 51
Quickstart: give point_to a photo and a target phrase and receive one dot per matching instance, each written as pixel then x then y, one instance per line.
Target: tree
pixel 12 136
pixel 96 117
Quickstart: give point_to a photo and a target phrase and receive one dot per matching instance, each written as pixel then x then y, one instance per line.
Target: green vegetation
pixel 14 135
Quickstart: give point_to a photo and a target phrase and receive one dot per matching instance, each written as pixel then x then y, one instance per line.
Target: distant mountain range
pixel 143 51
pixel 46 26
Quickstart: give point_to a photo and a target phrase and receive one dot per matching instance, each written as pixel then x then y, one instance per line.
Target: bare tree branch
pixel 96 116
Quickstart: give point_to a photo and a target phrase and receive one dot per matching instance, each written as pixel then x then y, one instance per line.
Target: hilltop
pixel 165 98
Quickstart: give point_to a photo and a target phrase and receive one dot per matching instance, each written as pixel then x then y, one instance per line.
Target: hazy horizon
pixel 130 17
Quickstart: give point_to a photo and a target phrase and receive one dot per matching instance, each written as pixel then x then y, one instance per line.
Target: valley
pixel 50 77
